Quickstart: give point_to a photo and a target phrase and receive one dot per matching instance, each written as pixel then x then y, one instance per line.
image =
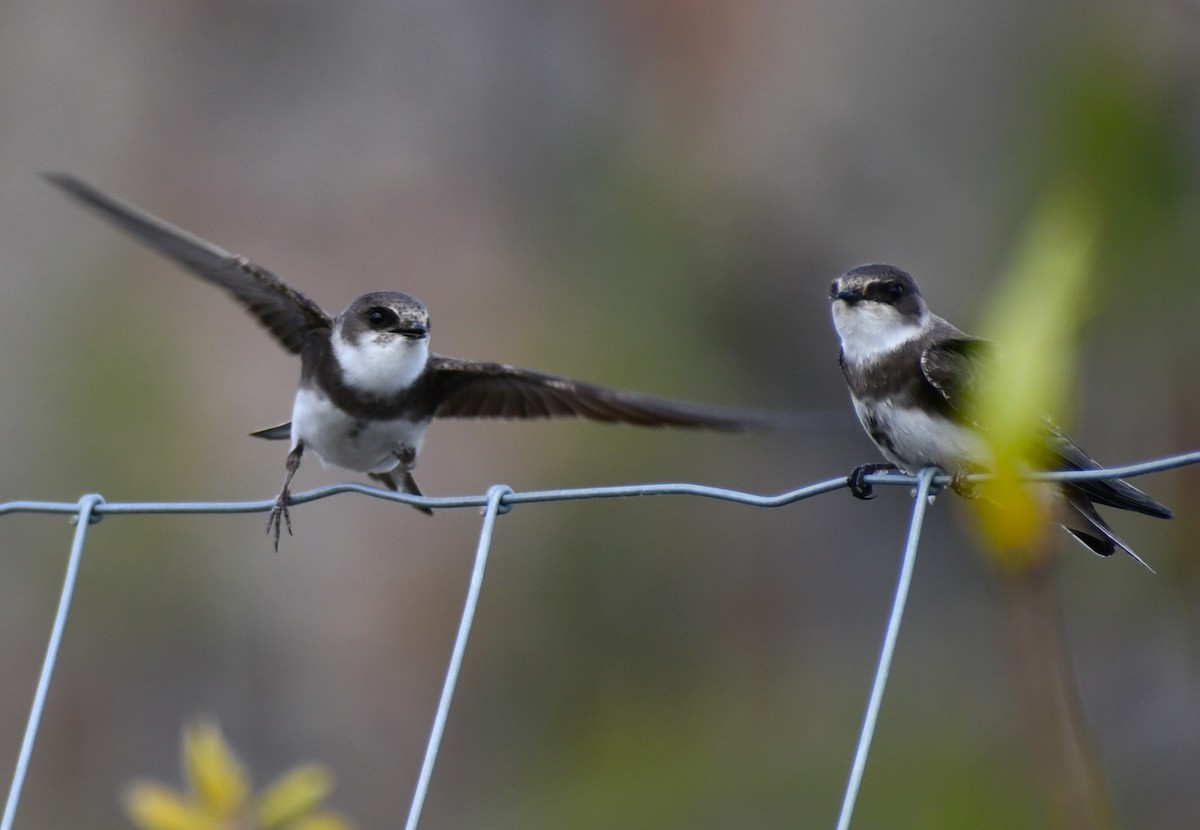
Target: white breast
pixel 919 439
pixel 344 441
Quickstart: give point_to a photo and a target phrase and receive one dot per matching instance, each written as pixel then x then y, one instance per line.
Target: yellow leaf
pixel 293 795
pixel 214 772
pixel 1034 319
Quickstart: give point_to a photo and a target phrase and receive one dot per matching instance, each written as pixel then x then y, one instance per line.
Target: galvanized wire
pixel 875 699
pixel 578 493
pixel 490 512
pixel 498 500
pixel 85 507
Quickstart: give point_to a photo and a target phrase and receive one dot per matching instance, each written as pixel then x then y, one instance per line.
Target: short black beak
pixel 850 297
pixel 413 332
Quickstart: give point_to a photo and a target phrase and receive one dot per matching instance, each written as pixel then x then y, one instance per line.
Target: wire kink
pixel 497 501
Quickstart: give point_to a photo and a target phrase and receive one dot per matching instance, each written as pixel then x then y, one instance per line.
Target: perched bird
pixel 369 386
pixel 911 376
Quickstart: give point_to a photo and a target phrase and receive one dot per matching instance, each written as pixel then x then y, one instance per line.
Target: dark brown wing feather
pixel 955 367
pixel 287 313
pixel 1117 492
pixel 469 389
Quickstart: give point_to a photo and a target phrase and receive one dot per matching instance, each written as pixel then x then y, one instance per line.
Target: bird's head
pixel 876 308
pixel 381 341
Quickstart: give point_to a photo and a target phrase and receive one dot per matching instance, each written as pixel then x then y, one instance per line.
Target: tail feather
pixel 1097 545
pixel 401 480
pixel 276 433
pixel 1095 534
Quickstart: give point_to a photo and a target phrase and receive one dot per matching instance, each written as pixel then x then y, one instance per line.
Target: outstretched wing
pixel 287 313
pixel 468 389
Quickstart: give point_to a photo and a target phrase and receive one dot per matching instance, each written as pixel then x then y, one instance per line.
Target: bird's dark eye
pixel 382 318
pixel 896 290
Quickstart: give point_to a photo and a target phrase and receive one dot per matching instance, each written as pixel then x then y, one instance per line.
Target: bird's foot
pixel 859 488
pixel 960 484
pixel 279 517
pixel 407 456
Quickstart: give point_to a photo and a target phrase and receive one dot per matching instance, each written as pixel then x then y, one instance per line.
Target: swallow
pixel 369 385
pixel 912 375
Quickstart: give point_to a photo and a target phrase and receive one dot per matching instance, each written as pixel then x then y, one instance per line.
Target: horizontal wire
pixel 580 493
pixel 569 494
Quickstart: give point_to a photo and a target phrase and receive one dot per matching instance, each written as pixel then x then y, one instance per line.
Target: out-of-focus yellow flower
pixel 293 797
pixel 219 795
pixel 1034 319
pixel 217 777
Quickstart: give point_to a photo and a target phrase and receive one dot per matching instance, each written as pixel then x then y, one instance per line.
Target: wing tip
pixel 69 183
pixel 1159 510
pixel 1128 497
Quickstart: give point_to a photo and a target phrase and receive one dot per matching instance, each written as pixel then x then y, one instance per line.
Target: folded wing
pixel 955 368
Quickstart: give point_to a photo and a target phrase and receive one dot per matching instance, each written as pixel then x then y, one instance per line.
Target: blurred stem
pixel 1064 761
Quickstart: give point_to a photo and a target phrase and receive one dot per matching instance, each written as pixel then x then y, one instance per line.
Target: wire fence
pixel 497 501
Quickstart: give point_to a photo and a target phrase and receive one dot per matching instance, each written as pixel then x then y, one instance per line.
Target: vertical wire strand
pixel 83 519
pixel 490 512
pixel 871 717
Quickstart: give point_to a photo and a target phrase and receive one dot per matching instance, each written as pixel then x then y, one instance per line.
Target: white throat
pixel 380 363
pixel 869 331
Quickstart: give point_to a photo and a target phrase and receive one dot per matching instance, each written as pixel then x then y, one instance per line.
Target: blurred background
pixel 652 195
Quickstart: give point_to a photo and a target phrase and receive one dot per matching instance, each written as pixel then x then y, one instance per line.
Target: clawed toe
pixel 967 489
pixel 856 481
pixel 279 518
